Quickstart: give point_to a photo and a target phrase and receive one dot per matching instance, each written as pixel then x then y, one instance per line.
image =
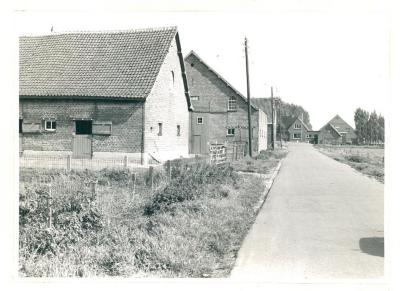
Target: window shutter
pixel 31 127
pixel 102 127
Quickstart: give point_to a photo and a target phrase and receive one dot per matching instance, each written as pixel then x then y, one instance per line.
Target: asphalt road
pixel 322 220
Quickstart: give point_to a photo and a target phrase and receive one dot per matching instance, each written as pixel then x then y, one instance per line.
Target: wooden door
pixel 82 146
pixel 197 144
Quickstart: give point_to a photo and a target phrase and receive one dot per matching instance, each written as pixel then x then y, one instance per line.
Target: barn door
pixel 82 141
pixel 197 144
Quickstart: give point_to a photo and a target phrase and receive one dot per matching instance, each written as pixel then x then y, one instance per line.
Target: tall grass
pixel 191 226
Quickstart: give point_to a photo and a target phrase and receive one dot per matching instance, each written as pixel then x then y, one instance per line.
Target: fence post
pixel 93 189
pixel 50 213
pixel 134 184
pixel 125 161
pixel 151 172
pixel 169 170
pixel 69 163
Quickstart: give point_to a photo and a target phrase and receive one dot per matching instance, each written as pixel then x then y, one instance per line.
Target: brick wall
pixel 126 118
pixel 167 105
pixel 212 105
pixel 327 135
pixel 303 131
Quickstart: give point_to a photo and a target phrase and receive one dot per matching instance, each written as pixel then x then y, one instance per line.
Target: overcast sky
pixel 328 59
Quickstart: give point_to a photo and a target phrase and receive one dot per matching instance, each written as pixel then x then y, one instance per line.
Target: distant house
pixel 298 131
pixel 219 110
pixel 104 94
pixel 337 131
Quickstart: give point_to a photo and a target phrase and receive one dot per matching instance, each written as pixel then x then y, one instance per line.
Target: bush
pixel 268 154
pixel 356 158
pixel 188 183
pixel 115 175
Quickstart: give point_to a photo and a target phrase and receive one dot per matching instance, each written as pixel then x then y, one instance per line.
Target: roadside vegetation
pixel 188 225
pixel 368 160
pixel 259 164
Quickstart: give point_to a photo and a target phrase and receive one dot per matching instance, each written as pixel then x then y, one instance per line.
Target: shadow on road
pixel 373 246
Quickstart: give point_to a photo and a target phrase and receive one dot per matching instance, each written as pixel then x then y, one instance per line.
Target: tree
pixel 361 118
pixel 381 122
pixel 373 127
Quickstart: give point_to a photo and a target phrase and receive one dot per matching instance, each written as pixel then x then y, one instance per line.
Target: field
pixel 188 224
pixel 368 160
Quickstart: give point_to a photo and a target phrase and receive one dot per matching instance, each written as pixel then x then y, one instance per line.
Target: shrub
pixel 356 158
pixel 188 184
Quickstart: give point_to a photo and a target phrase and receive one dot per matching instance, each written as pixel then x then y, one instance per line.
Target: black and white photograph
pixel 243 143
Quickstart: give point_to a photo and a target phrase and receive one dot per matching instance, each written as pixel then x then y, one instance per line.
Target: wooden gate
pixel 82 146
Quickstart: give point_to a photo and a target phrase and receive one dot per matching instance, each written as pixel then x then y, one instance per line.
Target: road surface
pixel 322 220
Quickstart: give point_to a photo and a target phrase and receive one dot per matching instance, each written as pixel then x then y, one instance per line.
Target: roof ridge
pixel 221 78
pixel 114 31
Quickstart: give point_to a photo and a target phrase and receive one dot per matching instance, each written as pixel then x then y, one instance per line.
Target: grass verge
pixel 191 226
pixel 263 163
pixel 365 159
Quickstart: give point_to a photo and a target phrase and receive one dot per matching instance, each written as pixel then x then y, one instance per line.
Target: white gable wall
pixel 167 104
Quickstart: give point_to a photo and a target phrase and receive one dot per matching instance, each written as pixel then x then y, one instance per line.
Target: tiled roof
pixel 192 53
pixel 121 64
pixel 334 129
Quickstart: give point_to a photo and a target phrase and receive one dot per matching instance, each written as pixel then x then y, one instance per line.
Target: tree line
pixel 370 127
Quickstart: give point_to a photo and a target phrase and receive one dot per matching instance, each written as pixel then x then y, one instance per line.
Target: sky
pixel 329 58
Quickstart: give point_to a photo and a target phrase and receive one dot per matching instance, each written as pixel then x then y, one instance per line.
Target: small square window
pixel 199 120
pixel 297 126
pixel 194 98
pixel 160 129
pixel 49 125
pixel 178 130
pixel 230 131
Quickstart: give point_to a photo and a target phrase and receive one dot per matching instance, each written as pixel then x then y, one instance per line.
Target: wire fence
pixel 68 163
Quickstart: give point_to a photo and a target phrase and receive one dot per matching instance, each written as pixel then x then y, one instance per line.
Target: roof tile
pixel 104 64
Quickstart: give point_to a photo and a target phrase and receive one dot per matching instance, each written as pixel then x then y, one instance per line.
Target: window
pixel 230 131
pixel 172 78
pixel 50 125
pixel 83 127
pixel 199 120
pixel 297 126
pixel 194 98
pixel 178 130
pixel 20 126
pixel 232 104
pixel 160 129
pixel 296 135
pixel 102 127
pixel 308 135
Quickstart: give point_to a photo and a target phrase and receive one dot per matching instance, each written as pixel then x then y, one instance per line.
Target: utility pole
pixel 248 99
pixel 273 119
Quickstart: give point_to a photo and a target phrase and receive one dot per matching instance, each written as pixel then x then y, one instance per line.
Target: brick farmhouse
pixel 219 110
pixel 337 131
pixel 104 94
